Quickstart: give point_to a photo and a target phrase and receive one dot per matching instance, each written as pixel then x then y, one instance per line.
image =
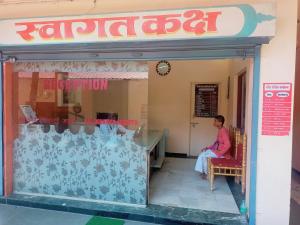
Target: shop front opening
pixel 66 140
pixel 184 103
pixel 122 133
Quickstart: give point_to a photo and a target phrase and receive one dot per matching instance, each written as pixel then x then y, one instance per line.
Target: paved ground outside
pixel 295 206
pixel 18 215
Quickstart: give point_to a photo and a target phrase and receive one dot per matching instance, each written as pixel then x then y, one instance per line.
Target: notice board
pixel 277 109
pixel 206 100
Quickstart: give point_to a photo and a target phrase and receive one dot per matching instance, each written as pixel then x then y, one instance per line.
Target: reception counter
pixel 86 164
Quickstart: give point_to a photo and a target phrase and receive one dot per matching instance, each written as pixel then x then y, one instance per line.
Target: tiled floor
pixel 151 214
pixel 178 185
pixel 18 215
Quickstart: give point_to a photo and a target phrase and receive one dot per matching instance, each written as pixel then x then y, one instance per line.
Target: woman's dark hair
pixel 220 119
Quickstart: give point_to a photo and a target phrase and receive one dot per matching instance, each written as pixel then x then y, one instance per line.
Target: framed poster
pixel 206 100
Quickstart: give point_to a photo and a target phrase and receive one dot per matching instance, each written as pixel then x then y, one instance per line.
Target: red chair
pixel 235 167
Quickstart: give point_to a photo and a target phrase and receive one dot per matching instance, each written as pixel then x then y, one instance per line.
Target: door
pixel 204 107
pixel 241 101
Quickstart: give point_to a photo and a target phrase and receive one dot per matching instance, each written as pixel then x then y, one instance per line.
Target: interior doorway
pixel 241 101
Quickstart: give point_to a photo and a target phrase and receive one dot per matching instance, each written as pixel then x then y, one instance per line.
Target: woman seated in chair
pixel 217 150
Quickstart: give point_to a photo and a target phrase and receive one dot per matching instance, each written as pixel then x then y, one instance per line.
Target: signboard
pixel 277 109
pixel 211 22
pixel 206 100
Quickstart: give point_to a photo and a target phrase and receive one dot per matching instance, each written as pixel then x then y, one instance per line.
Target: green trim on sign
pixel 97 220
pixel 252 19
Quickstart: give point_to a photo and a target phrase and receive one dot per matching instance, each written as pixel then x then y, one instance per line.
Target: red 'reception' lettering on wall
pixel 197 22
pixel 74 84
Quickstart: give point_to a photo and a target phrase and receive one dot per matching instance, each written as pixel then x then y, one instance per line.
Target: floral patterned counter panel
pixel 91 166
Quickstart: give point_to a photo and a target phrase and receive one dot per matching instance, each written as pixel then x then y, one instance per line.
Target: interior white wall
pixel 167 109
pixel 138 101
pixel 114 99
pixel 169 97
pixel 128 98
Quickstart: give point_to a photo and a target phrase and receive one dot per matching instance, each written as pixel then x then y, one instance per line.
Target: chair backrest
pixel 234 134
pixel 232 141
pixel 241 149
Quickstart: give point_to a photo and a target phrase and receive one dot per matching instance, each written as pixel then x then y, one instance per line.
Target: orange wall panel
pixel 10 126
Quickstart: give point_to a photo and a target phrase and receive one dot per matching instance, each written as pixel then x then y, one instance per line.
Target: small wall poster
pixel 206 100
pixel 277 109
